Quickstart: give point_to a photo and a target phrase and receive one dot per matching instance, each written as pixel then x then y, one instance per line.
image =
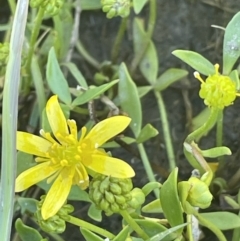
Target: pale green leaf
pixel 196 61
pixel 89 235
pixel 216 152
pixel 95 213
pixel 138 5
pixel 153 207
pixel 122 235
pixel 143 90
pixel 147 132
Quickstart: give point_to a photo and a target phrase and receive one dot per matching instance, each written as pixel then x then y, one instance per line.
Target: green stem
pixel 166 130
pixel 189 227
pixel 132 223
pixel 150 29
pixel 81 49
pixel 118 39
pixel 89 226
pixel 147 166
pixel 35 33
pixel 12 6
pixel 205 127
pixel 219 136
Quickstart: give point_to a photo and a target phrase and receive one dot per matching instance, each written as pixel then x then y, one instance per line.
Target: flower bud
pixel 199 194
pixel 52 7
pixel 218 90
pixel 138 198
pixel 56 223
pixel 115 8
pixel 110 194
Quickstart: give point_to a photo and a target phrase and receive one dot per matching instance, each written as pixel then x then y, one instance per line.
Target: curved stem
pixel 147 166
pixel 35 32
pixel 132 223
pixel 166 130
pixel 205 127
pixel 89 226
pixel 118 39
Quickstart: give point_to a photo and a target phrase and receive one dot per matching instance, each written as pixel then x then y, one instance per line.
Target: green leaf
pixel 152 228
pixel 90 5
pixel 56 81
pixel 153 207
pixel 138 5
pixel 147 132
pixel 143 90
pixel 223 220
pixel 90 94
pixel 27 204
pixel 113 144
pixel 27 233
pixel 77 74
pixel 231 44
pixel 216 152
pixel 170 200
pixel 150 186
pixel 149 63
pixel 24 162
pixel 129 99
pixel 169 77
pixel 196 61
pixel 95 213
pixel 122 235
pixel 198 120
pixel 162 235
pixel 90 236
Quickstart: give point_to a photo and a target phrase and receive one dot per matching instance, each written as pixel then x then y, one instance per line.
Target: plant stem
pixel 132 223
pixel 219 136
pixel 166 130
pixel 151 25
pixel 89 226
pixel 147 166
pixel 189 227
pixel 86 55
pixel 35 33
pixel 12 6
pixel 205 127
pixel 118 39
pixel 9 120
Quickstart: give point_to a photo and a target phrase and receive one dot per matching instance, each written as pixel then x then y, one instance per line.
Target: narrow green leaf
pixel 170 200
pixel 113 144
pixel 143 90
pixel 77 74
pixel 150 186
pixel 90 5
pixel 56 81
pixel 196 61
pixel 90 236
pixel 27 204
pixel 138 5
pixel 27 233
pixel 216 152
pixel 235 77
pixel 122 235
pixel 162 235
pixel 152 228
pixel 153 207
pixel 169 77
pixel 223 220
pixel 90 94
pixel 149 63
pixel 129 99
pixel 147 132
pixel 231 44
pixel 95 213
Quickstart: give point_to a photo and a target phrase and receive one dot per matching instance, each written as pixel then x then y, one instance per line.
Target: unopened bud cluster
pixel 51 7
pixel 115 8
pixel 56 223
pixel 113 194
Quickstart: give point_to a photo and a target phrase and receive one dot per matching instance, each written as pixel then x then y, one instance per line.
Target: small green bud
pixel 104 185
pixel 104 205
pixel 199 194
pixel 56 223
pixel 120 199
pixel 115 188
pixel 114 207
pixel 138 198
pixel 109 197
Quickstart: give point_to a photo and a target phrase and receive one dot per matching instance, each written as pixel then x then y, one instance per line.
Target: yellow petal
pixel 56 117
pixel 33 175
pixel 32 144
pixel 110 166
pixel 107 129
pixel 57 194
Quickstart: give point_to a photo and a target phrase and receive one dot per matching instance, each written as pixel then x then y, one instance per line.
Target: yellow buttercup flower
pixel 66 159
pixel 218 91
